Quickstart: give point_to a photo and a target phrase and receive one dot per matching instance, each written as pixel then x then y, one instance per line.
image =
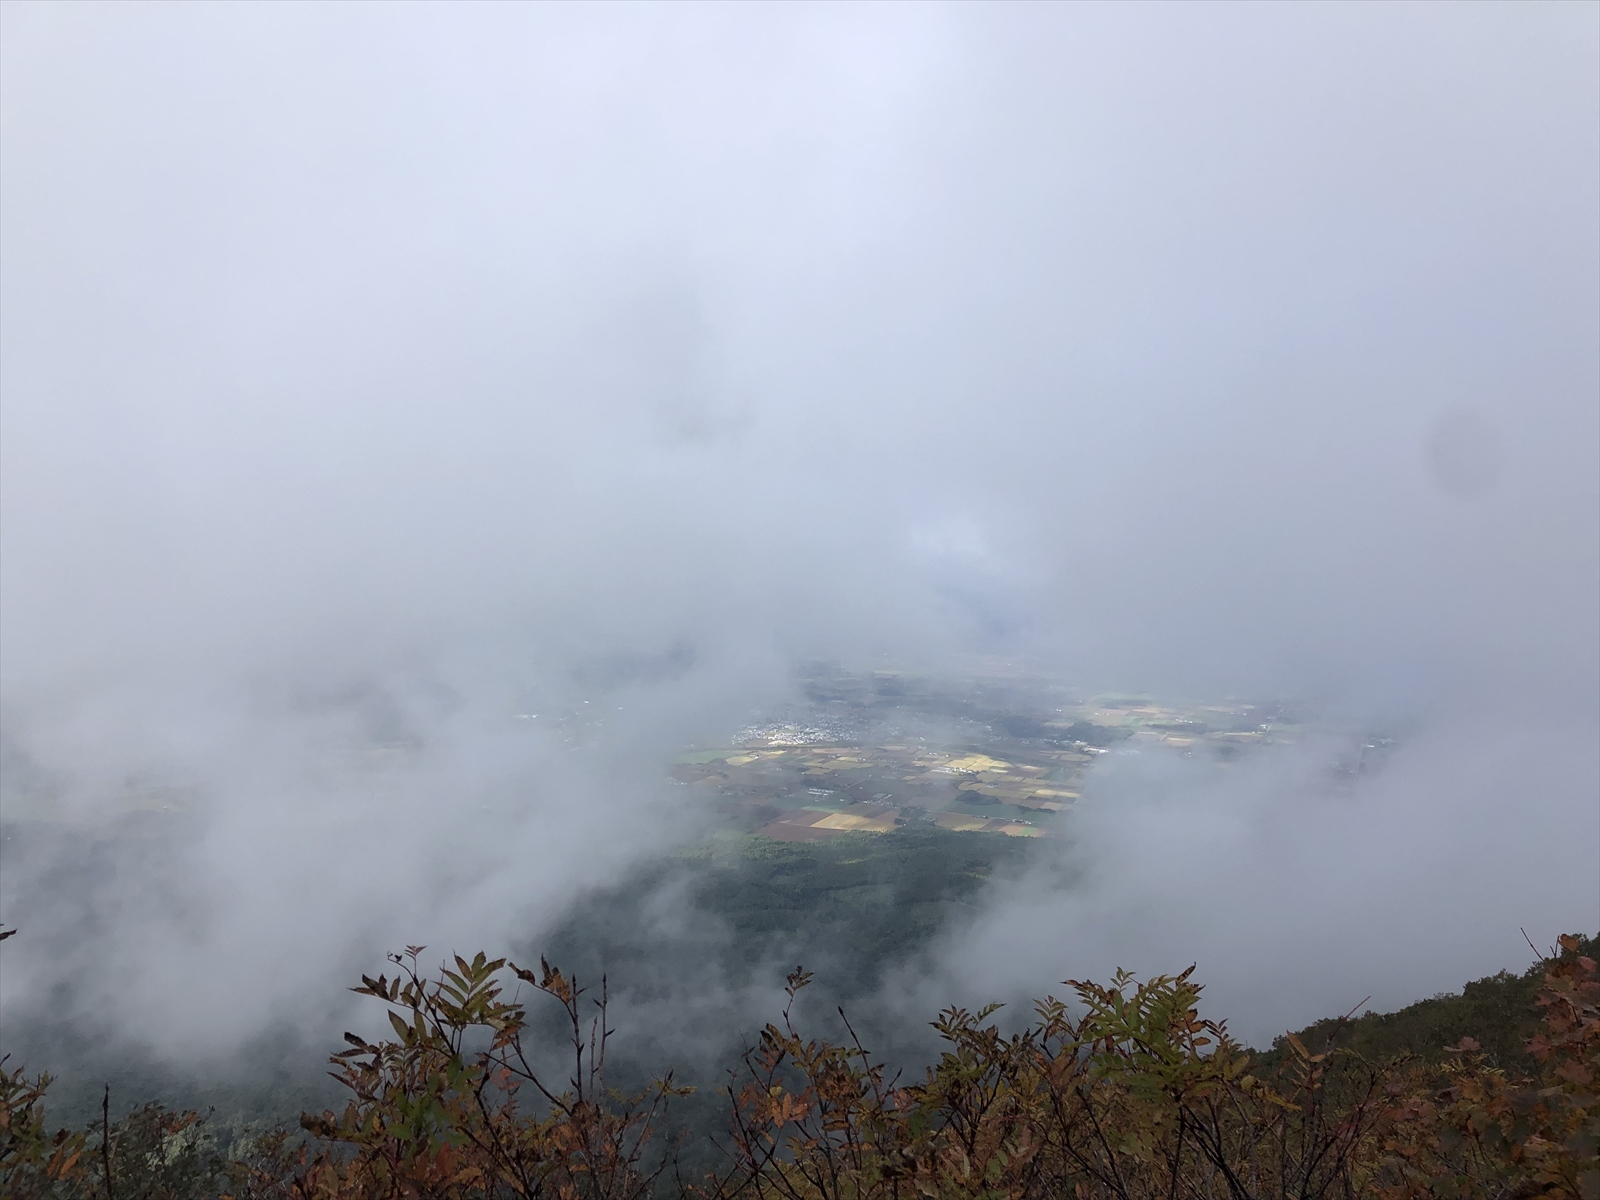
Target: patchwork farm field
pixel 883 752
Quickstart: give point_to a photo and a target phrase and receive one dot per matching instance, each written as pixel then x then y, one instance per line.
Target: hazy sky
pixel 434 352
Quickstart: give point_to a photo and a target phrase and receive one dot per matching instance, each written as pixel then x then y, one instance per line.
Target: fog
pixel 374 375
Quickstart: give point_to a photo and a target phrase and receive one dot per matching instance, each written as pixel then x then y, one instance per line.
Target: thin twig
pixel 105 1139
pixel 1540 957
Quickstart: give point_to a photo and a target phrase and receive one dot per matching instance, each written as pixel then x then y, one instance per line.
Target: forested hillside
pixel 1499 1013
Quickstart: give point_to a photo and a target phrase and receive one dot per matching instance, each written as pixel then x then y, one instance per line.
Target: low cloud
pixel 419 423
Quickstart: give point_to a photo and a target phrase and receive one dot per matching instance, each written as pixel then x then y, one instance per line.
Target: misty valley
pixel 851 834
pixel 853 601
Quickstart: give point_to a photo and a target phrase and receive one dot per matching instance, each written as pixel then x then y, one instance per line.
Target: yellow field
pixel 977 762
pixel 850 821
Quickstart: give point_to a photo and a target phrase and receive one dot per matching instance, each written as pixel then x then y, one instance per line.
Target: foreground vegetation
pixel 1122 1090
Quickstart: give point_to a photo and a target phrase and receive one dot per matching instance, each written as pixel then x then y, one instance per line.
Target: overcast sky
pixel 440 350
